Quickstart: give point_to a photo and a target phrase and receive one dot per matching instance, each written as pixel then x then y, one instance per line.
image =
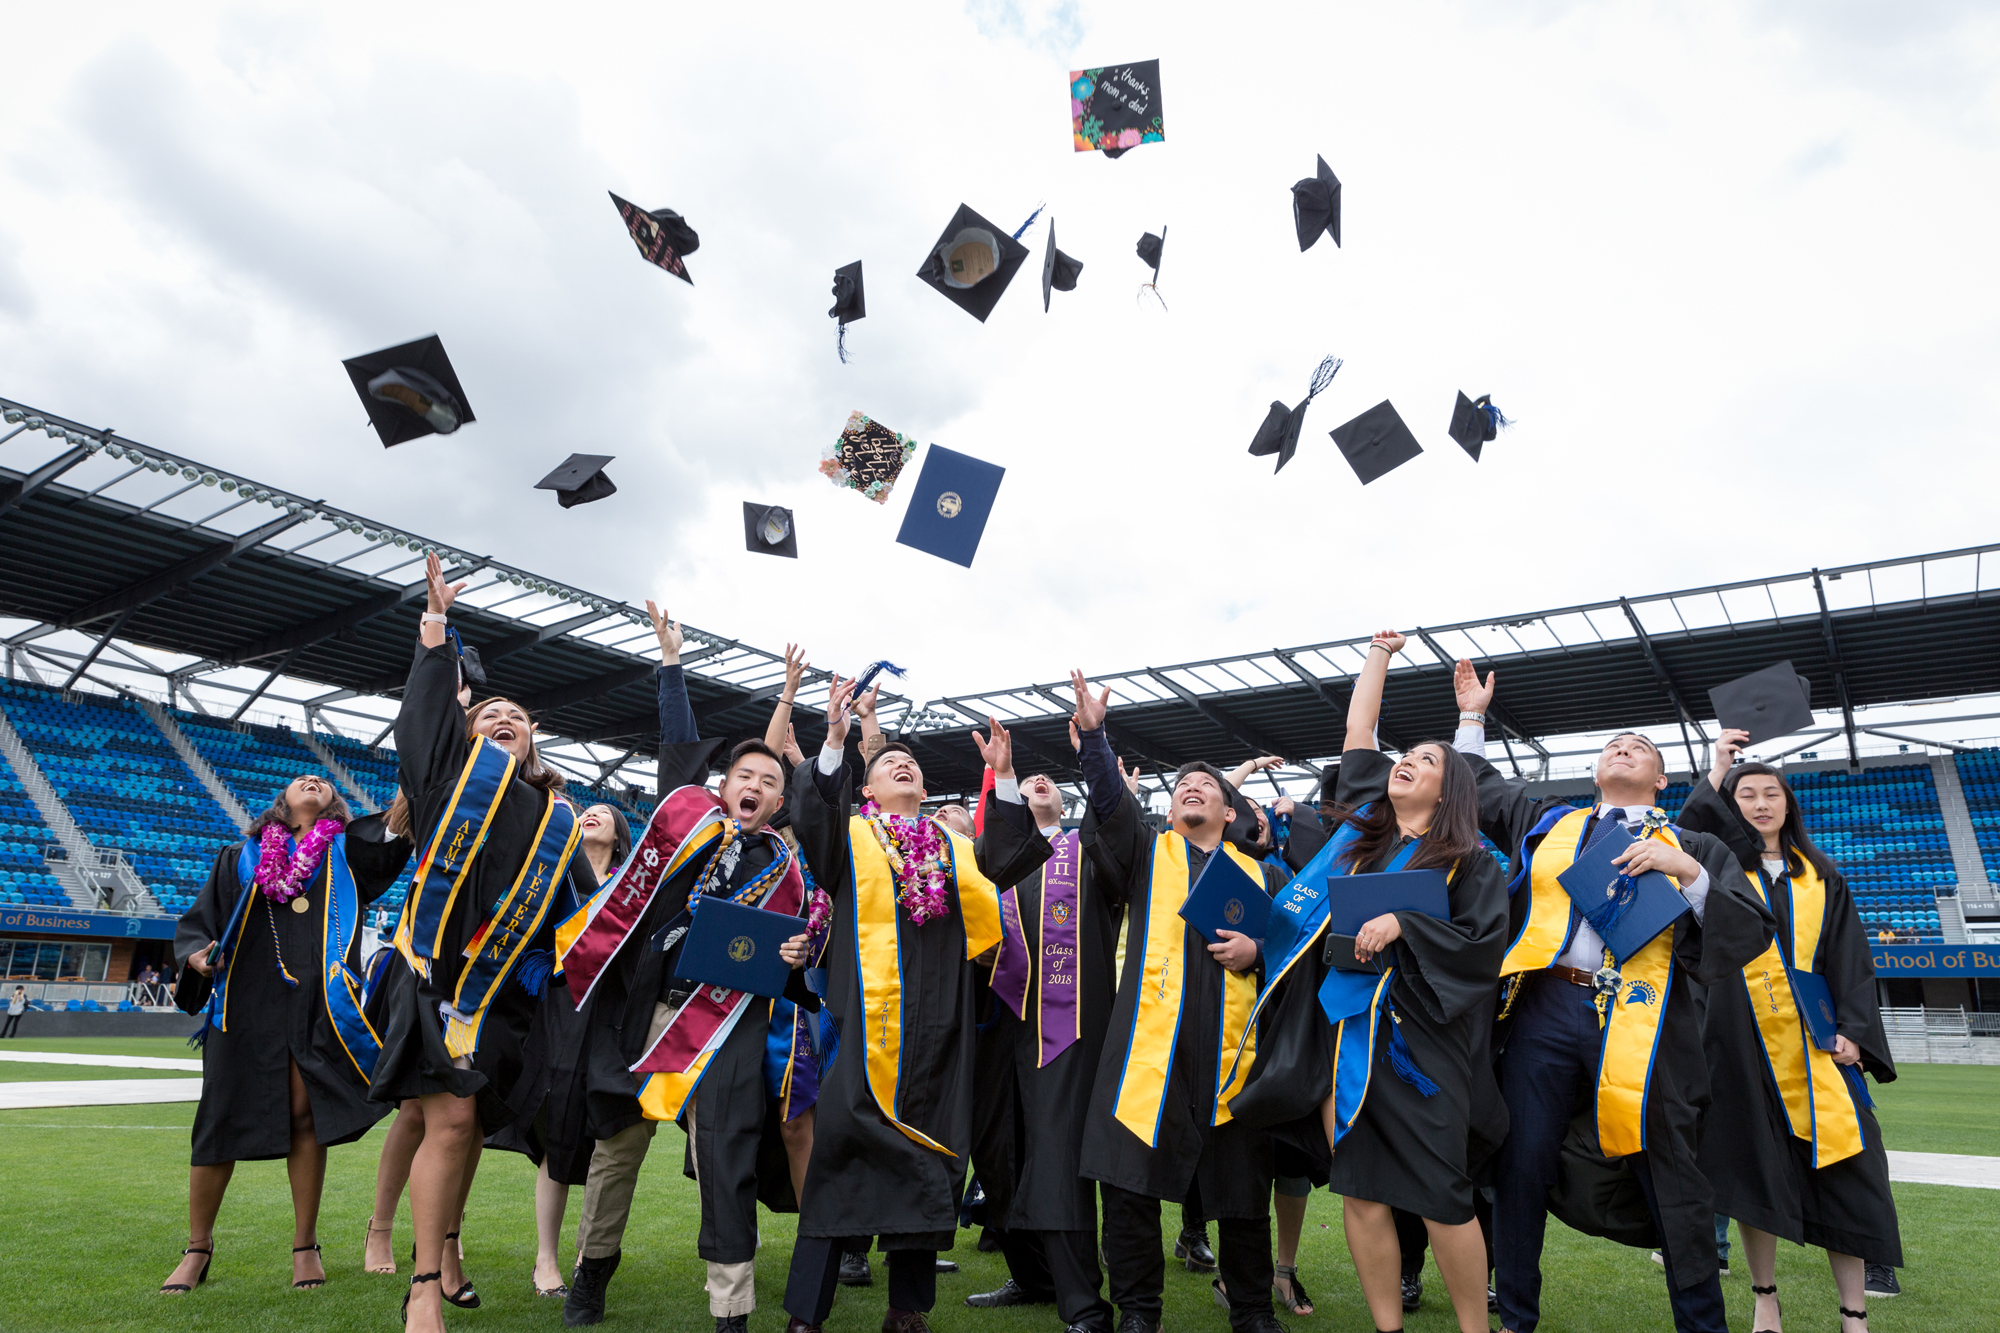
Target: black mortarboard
pixel 410 391
pixel 1280 432
pixel 1115 108
pixel 949 507
pixel 769 530
pixel 579 480
pixel 1776 701
pixel 662 235
pixel 1058 269
pixel 850 302
pixel 471 671
pixel 1474 421
pixel 1316 207
pixel 972 263
pixel 1376 442
pixel 1150 248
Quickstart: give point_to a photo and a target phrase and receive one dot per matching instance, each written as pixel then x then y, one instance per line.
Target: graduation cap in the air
pixel 471 671
pixel 769 530
pixel 579 480
pixel 662 235
pixel 867 457
pixel 1776 701
pixel 1280 432
pixel 1058 269
pixel 948 509
pixel 1316 207
pixel 972 263
pixel 850 302
pixel 410 391
pixel 1376 442
pixel 1151 248
pixel 1474 421
pixel 1115 108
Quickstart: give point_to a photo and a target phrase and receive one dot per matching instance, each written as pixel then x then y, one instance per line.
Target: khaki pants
pixel 732 1288
pixel 614 1170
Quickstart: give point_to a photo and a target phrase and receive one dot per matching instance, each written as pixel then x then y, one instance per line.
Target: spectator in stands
pixel 17 1004
pixel 286 1054
pixel 1579 1028
pixel 498 872
pixel 1803 1157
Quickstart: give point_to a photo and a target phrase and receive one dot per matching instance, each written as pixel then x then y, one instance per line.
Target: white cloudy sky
pixel 1731 266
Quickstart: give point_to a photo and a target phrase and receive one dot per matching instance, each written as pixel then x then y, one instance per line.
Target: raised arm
pixel 821 795
pixel 677 724
pixel 1250 768
pixel 1114 827
pixel 1364 709
pixel 872 739
pixel 430 725
pixel 1009 846
pixel 778 731
pixel 1506 811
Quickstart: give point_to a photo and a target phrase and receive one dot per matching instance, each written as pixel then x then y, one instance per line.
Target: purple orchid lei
pixel 283 879
pixel 917 859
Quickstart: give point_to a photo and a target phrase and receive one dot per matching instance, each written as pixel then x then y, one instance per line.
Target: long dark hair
pixel 530 770
pixel 280 810
pixel 1453 832
pixel 1797 844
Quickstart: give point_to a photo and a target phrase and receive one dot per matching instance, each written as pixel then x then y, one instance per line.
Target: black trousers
pixel 13 1022
pixel 1139 1265
pixel 1415 1237
pixel 1059 1266
pixel 811 1285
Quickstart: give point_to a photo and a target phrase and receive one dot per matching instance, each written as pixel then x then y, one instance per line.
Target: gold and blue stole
pixel 1356 1003
pixel 461 832
pixel 498 943
pixel 1147 1070
pixel 1820 1097
pixel 340 987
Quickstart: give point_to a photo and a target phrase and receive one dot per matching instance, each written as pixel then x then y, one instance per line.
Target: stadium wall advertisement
pixel 1936 960
pixel 88 923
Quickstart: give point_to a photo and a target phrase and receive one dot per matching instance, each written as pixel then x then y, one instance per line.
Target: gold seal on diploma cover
pixel 301 904
pixel 949 504
pixel 741 948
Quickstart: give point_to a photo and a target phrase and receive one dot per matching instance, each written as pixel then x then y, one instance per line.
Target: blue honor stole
pixel 341 988
pixel 460 833
pixel 497 945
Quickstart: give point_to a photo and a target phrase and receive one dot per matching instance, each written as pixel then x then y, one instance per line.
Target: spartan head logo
pixel 1232 912
pixel 1641 992
pixel 741 948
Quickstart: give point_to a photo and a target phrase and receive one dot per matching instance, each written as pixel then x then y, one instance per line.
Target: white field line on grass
pixel 1944 1168
pixel 103 1061
pixel 99 1092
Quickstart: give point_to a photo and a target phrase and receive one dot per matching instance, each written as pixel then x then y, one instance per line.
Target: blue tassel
pixel 1323 376
pixel 1030 222
pixel 875 669
pixel 1404 1063
pixel 531 973
pixel 1499 419
pixel 199 1040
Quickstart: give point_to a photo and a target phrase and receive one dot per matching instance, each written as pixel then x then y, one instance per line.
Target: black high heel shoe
pixel 300 1284
pixel 414 1280
pixel 465 1298
pixel 181 1288
pixel 1772 1292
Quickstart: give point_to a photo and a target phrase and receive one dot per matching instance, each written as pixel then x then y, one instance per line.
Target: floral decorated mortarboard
pixel 868 457
pixel 1115 108
pixel 662 235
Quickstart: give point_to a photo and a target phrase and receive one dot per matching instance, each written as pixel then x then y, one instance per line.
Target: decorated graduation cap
pixel 410 391
pixel 1151 249
pixel 1280 432
pixel 973 261
pixel 1475 421
pixel 471 671
pixel 1059 271
pixel 770 530
pixel 1776 701
pixel 850 302
pixel 1377 442
pixel 579 480
pixel 1115 108
pixel 948 509
pixel 867 457
pixel 662 235
pixel 1316 207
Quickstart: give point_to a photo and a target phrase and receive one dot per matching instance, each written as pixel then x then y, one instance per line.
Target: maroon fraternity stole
pixel 1044 948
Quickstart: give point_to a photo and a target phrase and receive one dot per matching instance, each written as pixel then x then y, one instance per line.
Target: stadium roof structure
pixel 125 559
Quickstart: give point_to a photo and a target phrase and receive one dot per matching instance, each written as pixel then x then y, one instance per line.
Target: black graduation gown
pixel 1028 1143
pixel 431 747
pixel 1596 1195
pixel 1232 1161
pixel 549 1103
pixel 245 1109
pixel 1762 1173
pixel 1413 1152
pixel 867 1177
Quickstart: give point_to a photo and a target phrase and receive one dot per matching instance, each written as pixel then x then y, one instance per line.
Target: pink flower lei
pixel 281 878
pixel 917 858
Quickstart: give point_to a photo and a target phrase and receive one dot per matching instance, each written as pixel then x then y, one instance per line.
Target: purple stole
pixel 1052 947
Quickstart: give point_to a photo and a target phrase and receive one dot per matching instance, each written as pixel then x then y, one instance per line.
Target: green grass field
pixel 97 1214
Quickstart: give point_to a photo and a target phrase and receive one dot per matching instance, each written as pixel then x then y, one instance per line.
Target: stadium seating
pixel 375 770
pixel 1979 775
pixel 23 880
pixel 255 763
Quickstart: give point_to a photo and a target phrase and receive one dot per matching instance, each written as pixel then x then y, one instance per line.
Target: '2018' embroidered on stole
pixel 1042 964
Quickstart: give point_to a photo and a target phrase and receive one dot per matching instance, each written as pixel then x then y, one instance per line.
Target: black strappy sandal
pixel 465 1298
pixel 1299 1302
pixel 182 1288
pixel 1772 1292
pixel 415 1278
pixel 301 1284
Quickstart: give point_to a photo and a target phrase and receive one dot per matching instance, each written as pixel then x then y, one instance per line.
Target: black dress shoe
pixel 1413 1291
pixel 794 1324
pixel 1263 1322
pixel 945 1266
pixel 1192 1249
pixel 1492 1299
pixel 585 1302
pixel 732 1323
pixel 854 1270
pixel 1132 1323
pixel 1009 1292
pixel 905 1321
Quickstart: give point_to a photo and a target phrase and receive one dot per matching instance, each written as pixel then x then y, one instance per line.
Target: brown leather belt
pixel 1575 976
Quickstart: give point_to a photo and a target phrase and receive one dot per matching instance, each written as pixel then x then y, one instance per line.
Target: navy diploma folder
pixel 1225 898
pixel 1815 1000
pixel 1355 900
pixel 736 947
pixel 1651 903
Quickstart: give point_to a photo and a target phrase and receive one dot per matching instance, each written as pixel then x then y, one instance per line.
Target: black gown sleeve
pixel 1849 968
pixel 1010 848
pixel 1364 777
pixel 1115 832
pixel 1307 837
pixel 1506 811
pixel 202 923
pixel 684 758
pixel 1709 811
pixel 1451 966
pixel 375 856
pixel 820 805
pixel 1735 925
pixel 431 746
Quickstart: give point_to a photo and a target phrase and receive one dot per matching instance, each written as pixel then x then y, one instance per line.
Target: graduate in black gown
pixel 1407 1126
pixel 1159 1118
pixel 1806 1163
pixel 1052 985
pixel 274 956
pixel 913 906
pixel 498 868
pixel 1620 1042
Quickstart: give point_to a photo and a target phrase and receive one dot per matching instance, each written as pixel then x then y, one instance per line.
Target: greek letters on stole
pixel 878 932
pixel 1819 1102
pixel 1043 964
pixel 1632 1027
pixel 1146 1072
